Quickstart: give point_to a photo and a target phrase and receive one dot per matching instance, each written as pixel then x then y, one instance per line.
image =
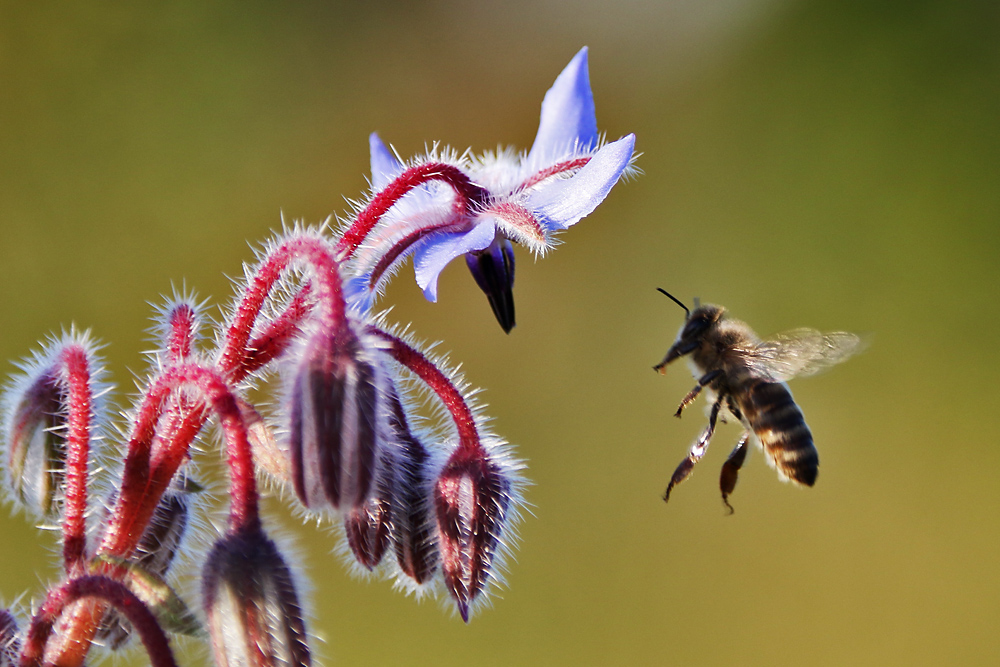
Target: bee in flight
pixel 744 377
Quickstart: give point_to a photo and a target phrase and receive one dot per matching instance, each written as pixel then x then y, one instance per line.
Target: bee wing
pixel 800 353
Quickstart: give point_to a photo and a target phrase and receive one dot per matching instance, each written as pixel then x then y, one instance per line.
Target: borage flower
pixel 522 198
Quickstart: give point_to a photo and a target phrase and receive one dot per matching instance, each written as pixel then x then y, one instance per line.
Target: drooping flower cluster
pixel 435 509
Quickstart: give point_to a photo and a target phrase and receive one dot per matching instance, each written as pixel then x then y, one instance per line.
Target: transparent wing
pixel 800 353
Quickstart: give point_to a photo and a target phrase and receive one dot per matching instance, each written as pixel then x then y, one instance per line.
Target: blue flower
pixel 528 198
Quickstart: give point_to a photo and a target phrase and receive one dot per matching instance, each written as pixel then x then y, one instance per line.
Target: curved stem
pixel 451 397
pixel 311 251
pixel 113 592
pixel 277 336
pixel 144 481
pixel 468 193
pixel 76 375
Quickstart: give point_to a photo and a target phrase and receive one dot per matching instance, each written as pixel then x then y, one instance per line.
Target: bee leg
pixel 693 394
pixel 698 450
pixel 731 469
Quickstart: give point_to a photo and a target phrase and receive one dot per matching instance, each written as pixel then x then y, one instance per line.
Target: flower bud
pixel 336 421
pixel 471 499
pixel 493 269
pixel 35 446
pixel 254 618
pixel 10 644
pixel 412 516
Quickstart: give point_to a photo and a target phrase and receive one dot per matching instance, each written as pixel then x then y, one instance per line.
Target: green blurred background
pixel 829 164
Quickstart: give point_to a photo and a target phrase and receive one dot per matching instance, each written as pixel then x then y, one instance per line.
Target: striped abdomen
pixel 769 409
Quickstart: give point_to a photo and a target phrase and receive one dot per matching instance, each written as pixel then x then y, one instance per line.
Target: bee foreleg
pixel 731 469
pixel 698 450
pixel 693 394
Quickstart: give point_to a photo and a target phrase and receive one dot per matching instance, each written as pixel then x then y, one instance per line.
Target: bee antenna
pixel 687 313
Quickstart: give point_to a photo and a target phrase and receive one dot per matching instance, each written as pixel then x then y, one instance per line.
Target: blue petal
pixel 385 166
pixel 561 204
pixel 433 253
pixel 568 117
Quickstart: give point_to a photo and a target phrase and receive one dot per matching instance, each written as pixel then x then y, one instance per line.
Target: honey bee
pixel 744 377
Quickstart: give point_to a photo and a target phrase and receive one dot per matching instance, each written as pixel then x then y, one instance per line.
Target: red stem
pixel 143 483
pixel 451 397
pixel 111 591
pixel 277 336
pixel 76 374
pixel 468 193
pixel 312 251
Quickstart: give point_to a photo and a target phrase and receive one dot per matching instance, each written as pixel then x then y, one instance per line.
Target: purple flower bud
pixel 254 618
pixel 412 516
pixel 35 446
pixel 493 269
pixel 471 499
pixel 367 527
pixel 399 513
pixel 337 421
pixel 10 645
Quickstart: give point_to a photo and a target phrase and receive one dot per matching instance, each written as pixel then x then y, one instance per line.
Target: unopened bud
pixel 414 538
pixel 471 499
pixel 254 618
pixel 35 446
pixel 336 422
pixel 493 269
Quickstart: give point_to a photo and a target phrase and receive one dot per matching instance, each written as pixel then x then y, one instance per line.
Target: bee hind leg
pixel 731 469
pixel 693 394
pixel 698 450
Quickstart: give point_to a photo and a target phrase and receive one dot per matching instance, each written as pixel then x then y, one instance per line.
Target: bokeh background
pixel 817 163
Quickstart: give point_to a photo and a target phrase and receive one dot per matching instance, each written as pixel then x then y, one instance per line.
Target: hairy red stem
pixel 447 392
pixel 144 480
pixel 113 592
pixel 277 336
pixel 76 375
pixel 468 193
pixel 325 276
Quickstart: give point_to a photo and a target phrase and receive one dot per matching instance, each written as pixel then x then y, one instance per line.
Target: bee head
pixel 696 324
